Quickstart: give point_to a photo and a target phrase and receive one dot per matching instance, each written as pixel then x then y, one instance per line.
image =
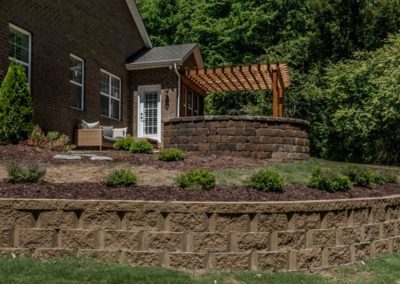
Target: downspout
pixel 178 103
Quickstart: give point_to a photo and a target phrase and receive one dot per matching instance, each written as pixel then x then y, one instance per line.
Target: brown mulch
pixel 193 160
pixel 97 191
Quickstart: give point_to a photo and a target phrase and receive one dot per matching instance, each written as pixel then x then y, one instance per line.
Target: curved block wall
pixel 222 236
pixel 281 139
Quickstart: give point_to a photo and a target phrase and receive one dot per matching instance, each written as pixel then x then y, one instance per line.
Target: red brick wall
pixel 161 76
pixel 101 32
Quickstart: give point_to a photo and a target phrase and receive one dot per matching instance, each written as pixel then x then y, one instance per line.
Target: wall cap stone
pixel 283 120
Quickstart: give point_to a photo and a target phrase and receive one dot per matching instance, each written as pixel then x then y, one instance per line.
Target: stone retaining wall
pixel 222 236
pixel 282 139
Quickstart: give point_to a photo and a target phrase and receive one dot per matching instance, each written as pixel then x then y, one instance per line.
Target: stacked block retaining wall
pixel 282 139
pixel 221 236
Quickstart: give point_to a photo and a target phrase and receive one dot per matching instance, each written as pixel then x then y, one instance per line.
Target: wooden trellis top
pixel 240 78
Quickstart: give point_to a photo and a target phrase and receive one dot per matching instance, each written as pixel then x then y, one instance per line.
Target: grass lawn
pixel 26 270
pixel 294 173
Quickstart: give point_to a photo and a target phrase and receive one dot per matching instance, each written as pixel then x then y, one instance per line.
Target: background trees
pixel 345 81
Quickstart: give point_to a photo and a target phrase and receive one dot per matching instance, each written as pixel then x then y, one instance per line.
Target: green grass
pixel 79 270
pixel 294 173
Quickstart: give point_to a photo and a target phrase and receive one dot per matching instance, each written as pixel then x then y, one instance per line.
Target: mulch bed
pixel 193 160
pixel 98 191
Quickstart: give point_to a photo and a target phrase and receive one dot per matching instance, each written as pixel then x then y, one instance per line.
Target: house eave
pixel 137 17
pixel 153 65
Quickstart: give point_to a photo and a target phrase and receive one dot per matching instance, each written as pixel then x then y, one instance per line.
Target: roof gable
pixel 164 56
pixel 137 17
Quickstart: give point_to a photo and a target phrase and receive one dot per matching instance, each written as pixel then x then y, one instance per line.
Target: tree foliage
pixel 329 45
pixel 15 106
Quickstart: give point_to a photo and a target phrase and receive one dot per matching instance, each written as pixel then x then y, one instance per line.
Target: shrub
pixel 268 181
pixel 53 141
pixel 360 177
pixel 197 179
pixel 124 144
pixel 15 106
pixel 385 178
pixel 329 181
pixel 52 136
pixel 141 147
pixel 121 178
pixel 169 155
pixel 31 173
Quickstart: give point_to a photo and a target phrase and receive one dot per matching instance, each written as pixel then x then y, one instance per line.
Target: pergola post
pixel 275 93
pixel 281 99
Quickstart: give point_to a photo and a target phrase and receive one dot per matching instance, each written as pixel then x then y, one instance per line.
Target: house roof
pixel 164 56
pixel 137 17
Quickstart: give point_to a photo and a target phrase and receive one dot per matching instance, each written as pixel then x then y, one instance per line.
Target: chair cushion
pixel 120 132
pixel 110 139
pixel 108 131
pixel 87 125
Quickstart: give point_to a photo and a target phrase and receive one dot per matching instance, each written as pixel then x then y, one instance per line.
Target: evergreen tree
pixel 15 106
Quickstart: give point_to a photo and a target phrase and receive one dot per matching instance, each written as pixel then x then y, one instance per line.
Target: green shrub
pixel 52 136
pixel 268 181
pixel 121 178
pixel 61 144
pixel 30 173
pixel 197 179
pixel 360 177
pixel 330 181
pixel 124 144
pixel 37 135
pixel 385 178
pixel 169 155
pixel 15 106
pixel 141 147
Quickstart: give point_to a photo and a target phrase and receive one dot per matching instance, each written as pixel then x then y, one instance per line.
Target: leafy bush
pixel 52 136
pixel 360 177
pixel 31 173
pixel 53 141
pixel 141 147
pixel 268 181
pixel 121 178
pixel 330 181
pixel 197 179
pixel 169 155
pixel 385 178
pixel 15 106
pixel 124 144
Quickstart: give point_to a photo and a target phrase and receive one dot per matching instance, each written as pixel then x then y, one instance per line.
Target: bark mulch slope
pixel 98 191
pixel 193 160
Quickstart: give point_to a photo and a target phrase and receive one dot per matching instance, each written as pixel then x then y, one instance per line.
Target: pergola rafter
pixel 273 77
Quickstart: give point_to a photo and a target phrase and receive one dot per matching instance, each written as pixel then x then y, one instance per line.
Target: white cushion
pixel 86 125
pixel 120 132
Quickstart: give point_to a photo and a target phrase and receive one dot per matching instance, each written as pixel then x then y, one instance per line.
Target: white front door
pixel 149 112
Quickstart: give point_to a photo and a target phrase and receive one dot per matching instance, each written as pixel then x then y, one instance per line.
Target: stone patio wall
pixel 284 236
pixel 282 139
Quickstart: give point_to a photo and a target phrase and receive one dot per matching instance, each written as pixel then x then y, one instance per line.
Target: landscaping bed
pixel 26 153
pixel 84 191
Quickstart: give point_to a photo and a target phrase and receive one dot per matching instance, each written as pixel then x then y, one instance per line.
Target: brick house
pixel 94 60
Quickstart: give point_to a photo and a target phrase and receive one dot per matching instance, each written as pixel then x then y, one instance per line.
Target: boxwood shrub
pixel 268 181
pixel 121 178
pixel 197 179
pixel 29 173
pixel 124 144
pixel 329 180
pixel 143 147
pixel 170 155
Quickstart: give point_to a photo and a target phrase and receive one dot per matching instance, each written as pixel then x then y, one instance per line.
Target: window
pixel 20 44
pixel 76 79
pixel 110 95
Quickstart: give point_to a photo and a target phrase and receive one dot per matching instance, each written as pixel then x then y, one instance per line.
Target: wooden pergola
pixel 273 77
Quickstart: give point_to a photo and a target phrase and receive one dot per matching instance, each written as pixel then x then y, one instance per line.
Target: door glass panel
pixel 150 113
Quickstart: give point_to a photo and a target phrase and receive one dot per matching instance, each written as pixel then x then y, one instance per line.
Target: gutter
pixel 178 103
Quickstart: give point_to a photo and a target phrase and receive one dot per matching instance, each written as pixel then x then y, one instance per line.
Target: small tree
pixel 15 106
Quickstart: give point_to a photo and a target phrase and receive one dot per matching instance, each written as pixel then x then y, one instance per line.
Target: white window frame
pixel 29 64
pixel 110 97
pixel 78 84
